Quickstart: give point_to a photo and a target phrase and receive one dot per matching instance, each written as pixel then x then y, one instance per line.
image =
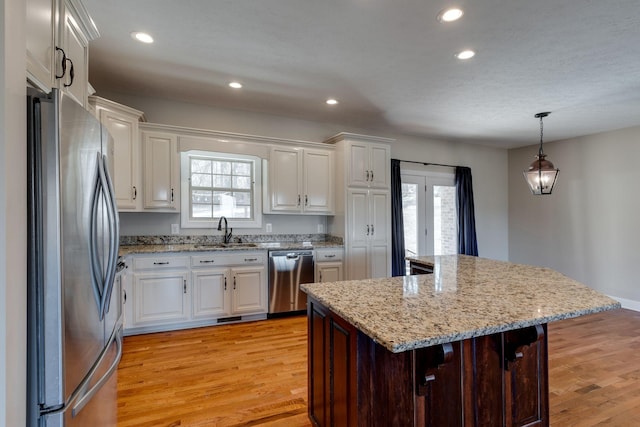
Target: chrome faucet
pixel 227 236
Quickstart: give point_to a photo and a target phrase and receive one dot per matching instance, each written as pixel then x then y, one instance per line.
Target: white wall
pixel 588 228
pixel 488 165
pixel 13 207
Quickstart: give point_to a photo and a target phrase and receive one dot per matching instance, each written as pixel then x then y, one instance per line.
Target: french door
pixel 429 213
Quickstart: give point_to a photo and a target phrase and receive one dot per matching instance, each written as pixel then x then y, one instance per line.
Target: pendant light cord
pixel 540 153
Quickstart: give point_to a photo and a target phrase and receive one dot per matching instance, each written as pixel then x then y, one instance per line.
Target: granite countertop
pixel 206 247
pixel 465 297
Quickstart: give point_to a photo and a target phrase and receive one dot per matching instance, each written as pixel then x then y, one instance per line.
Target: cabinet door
pixel 329 271
pixel 210 294
pixel 160 171
pixel 380 169
pixel 380 236
pixel 285 174
pixel 249 290
pixel 318 181
pixel 128 320
pixel 126 149
pixel 41 24
pixel 358 164
pixel 525 378
pixel 161 297
pixel 359 229
pixel 76 47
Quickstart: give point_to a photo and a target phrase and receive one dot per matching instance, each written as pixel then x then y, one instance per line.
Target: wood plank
pixel 255 373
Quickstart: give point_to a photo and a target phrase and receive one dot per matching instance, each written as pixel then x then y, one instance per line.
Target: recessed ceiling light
pixel 332 101
pixel 465 54
pixel 235 85
pixel 142 37
pixel 450 15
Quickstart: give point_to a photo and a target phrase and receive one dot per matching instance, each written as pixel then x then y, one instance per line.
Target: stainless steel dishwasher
pixel 287 270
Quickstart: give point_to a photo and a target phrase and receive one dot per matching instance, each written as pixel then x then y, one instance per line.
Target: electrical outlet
pixel 268 228
pixel 175 229
pixel 320 228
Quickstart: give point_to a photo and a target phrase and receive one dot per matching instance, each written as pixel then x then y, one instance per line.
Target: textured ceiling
pixel 389 63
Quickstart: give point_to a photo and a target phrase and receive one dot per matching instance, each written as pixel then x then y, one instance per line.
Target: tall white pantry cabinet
pixel 363 204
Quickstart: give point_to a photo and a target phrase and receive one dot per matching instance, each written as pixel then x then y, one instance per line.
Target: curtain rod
pixel 428 164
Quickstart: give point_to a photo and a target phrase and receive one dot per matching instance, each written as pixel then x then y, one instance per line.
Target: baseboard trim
pixel 628 303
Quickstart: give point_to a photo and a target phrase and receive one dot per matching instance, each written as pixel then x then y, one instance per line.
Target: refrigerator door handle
pixel 96 266
pixel 83 397
pixel 114 228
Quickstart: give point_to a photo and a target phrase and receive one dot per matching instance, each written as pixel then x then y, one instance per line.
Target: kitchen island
pixel 464 346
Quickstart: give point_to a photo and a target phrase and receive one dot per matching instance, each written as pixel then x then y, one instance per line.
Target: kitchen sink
pixel 225 245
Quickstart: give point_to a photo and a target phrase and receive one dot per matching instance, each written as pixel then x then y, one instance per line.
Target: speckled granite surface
pixel 161 244
pixel 464 298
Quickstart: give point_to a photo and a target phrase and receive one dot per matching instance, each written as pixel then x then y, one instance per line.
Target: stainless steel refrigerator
pixel 74 312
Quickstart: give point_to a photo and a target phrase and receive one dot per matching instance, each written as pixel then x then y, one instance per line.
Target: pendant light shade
pixel 541 175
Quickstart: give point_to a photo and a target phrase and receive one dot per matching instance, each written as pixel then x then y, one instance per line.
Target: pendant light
pixel 541 175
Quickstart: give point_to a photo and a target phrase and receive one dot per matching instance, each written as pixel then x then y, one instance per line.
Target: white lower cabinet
pixel 329 267
pixel 171 291
pixel 226 292
pixel 210 296
pixel 160 297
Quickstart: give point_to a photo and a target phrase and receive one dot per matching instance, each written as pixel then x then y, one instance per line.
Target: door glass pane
pixel 410 218
pixel 445 224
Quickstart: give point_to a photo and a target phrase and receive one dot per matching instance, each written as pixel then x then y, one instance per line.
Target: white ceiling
pixel 389 63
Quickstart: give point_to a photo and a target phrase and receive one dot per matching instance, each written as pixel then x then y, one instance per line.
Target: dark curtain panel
pixel 467 242
pixel 397 224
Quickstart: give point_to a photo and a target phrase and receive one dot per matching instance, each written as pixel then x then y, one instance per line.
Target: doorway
pixel 429 213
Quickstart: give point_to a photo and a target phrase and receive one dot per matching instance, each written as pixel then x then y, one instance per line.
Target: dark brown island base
pixel 463 346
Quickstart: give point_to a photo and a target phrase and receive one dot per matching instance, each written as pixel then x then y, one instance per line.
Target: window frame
pixel 186 221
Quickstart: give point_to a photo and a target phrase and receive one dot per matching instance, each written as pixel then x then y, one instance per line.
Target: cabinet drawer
pixel 221 259
pixel 160 262
pixel 323 255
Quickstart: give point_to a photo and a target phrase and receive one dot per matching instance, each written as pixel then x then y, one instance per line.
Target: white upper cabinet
pixel 160 171
pixel 42 25
pixel 122 123
pixel 300 181
pixel 369 165
pixel 58 36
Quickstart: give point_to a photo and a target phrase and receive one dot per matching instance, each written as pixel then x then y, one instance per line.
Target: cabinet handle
pixel 124 295
pixel 298 200
pixel 135 192
pixel 225 283
pixel 320 274
pixel 330 256
pixel 172 195
pixel 184 287
pixel 367 176
pixel 63 63
pixel 234 283
pixel 207 261
pixel 372 229
pixel 250 259
pixel 71 74
pixel 367 229
pixel 306 200
pixel 371 176
pixel 161 263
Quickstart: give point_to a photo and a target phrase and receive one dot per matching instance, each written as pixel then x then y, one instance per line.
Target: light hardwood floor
pixel 255 374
